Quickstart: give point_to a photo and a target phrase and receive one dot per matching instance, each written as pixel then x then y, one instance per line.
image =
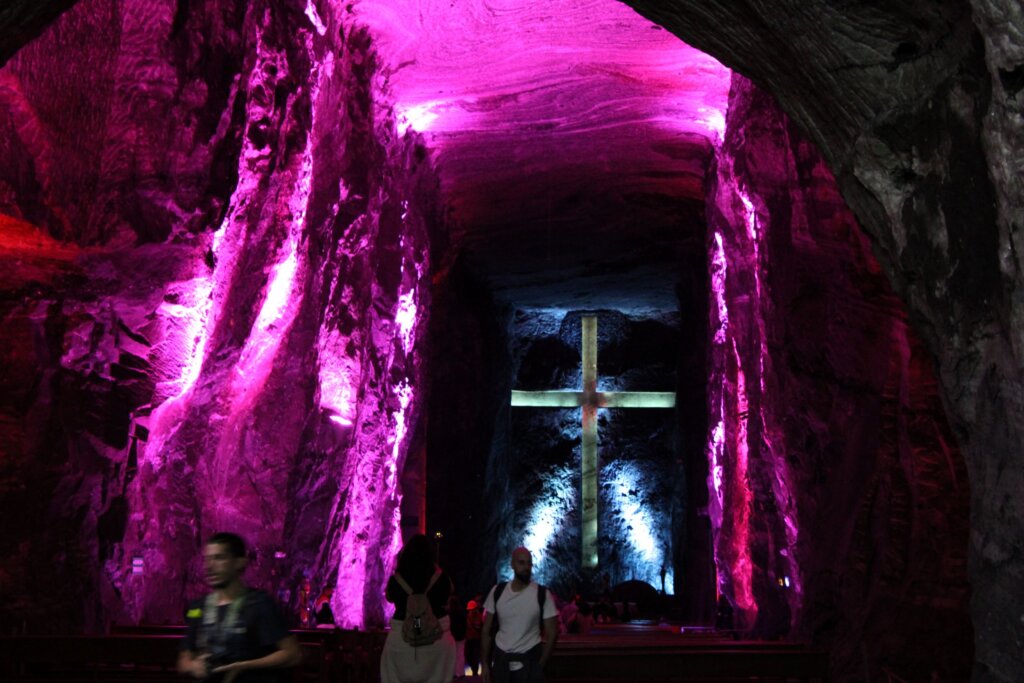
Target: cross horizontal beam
pixel 604 399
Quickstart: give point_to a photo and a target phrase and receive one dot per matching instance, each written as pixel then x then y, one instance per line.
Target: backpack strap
pixel 215 629
pixel 433 579
pixel 497 594
pixel 403 583
pixel 408 589
pixel 541 596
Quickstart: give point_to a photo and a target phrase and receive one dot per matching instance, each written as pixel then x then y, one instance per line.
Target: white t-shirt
pixel 518 622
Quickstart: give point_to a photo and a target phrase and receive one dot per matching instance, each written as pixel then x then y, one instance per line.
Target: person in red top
pixel 474 625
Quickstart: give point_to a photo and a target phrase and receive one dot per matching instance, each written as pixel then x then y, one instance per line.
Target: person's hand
pixel 198 667
pixel 231 671
pixel 485 673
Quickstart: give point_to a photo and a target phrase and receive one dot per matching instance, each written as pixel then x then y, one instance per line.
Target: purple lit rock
pixel 917 109
pixel 191 294
pixel 237 349
pixel 857 495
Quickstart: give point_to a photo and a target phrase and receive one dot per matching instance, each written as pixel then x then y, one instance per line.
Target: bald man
pixel 524 610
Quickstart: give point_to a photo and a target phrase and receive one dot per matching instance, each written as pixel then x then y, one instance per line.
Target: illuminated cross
pixel 590 399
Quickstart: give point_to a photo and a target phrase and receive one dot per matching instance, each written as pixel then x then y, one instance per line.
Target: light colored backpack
pixel 420 626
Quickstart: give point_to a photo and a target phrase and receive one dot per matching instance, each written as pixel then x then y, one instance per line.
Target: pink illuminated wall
pixel 288 387
pixel 745 450
pixel 836 499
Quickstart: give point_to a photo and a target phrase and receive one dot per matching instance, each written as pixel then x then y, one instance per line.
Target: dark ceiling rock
pixel 23 20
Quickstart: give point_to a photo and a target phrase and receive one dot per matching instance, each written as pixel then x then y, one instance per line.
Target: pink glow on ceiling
pixel 484 61
pixel 418 117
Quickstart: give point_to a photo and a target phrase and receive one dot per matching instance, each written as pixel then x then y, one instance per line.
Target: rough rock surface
pixel 231 344
pixel 840 498
pixel 21 22
pixel 172 132
pixel 916 109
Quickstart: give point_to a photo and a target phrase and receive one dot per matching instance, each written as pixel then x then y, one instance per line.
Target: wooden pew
pixel 337 656
pixel 70 659
pixel 662 660
pixel 127 657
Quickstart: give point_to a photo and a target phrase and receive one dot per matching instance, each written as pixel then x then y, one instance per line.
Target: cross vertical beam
pixel 589 460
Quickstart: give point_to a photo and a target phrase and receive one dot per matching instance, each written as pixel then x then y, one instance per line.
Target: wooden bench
pixel 70 659
pixel 127 657
pixel 336 656
pixel 662 660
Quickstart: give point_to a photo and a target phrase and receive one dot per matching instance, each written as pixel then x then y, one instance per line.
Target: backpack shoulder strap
pixel 403 583
pixel 433 579
pixel 495 624
pixel 497 594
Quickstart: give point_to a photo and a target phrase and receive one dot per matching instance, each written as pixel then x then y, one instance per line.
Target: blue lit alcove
pixel 641 481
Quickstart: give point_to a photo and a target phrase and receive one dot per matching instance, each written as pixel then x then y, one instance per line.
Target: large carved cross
pixel 589 400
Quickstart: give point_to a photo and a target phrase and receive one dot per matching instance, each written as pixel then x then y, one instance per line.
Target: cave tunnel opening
pixel 809 465
pixel 808 468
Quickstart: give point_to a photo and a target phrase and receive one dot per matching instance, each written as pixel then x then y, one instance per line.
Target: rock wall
pixel 916 107
pixel 840 498
pixel 226 334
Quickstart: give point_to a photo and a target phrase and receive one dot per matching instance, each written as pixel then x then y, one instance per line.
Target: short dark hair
pixel 233 542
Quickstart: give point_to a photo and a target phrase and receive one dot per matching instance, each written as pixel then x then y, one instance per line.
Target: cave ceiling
pixel 571 139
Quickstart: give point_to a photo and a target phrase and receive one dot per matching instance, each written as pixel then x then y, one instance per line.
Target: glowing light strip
pixel 749 215
pixel 742 569
pixel 282 300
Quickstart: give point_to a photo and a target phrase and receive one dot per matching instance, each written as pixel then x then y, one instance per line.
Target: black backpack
pixel 541 596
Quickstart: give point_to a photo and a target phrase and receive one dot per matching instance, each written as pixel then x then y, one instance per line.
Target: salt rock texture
pixel 161 174
pixel 917 110
pixel 225 335
pixel 841 499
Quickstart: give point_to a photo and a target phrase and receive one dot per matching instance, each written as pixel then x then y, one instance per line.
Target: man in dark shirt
pixel 234 634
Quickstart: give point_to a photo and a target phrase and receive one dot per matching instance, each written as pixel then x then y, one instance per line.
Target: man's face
pixel 220 566
pixel 522 565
